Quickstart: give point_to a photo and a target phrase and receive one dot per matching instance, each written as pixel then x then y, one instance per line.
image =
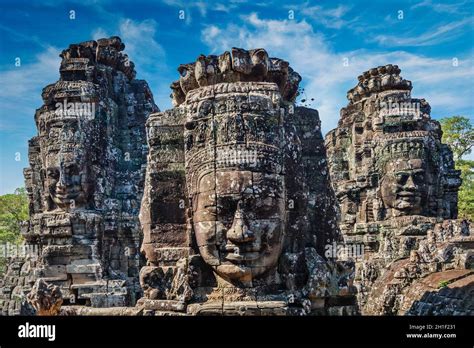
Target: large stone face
pixel 86 174
pixel 244 208
pixel 395 182
pixel 232 218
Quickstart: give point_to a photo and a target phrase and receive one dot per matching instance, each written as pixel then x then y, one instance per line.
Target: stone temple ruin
pixel 397 190
pixel 227 204
pixel 234 218
pixel 85 181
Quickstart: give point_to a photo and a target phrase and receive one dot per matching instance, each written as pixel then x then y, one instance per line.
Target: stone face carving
pixel 85 180
pixel 394 179
pixel 238 232
pixel 403 187
pixel 386 156
pixel 237 209
pixel 229 210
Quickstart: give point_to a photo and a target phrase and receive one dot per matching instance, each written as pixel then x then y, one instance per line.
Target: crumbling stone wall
pixel 16 283
pixel 395 182
pixel 85 179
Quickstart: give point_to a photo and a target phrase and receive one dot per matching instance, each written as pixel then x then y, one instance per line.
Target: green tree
pixel 458 133
pixel 13 210
pixel 466 191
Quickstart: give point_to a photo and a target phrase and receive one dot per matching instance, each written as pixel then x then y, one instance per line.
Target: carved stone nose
pixel 62 178
pixel 410 183
pixel 239 231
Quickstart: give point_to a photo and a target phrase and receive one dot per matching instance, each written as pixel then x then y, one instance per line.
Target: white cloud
pixel 329 17
pixel 23 94
pixel 138 37
pixel 435 36
pixel 203 7
pixel 211 32
pixel 186 6
pixel 147 54
pixel 99 33
pixel 19 98
pixel 325 77
pixel 452 8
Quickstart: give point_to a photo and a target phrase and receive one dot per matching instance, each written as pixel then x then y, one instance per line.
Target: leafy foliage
pixel 443 284
pixel 466 191
pixel 13 210
pixel 458 133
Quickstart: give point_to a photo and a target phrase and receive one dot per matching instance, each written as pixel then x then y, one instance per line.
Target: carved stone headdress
pixel 404 148
pixel 237 128
pixel 234 120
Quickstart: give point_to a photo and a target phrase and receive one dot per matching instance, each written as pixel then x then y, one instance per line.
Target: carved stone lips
pixel 242 247
pixel 68 194
pixel 407 194
pixel 242 257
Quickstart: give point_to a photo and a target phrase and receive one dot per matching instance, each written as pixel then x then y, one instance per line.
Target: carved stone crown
pixel 234 126
pixel 255 157
pixel 237 65
pixel 71 90
pixel 85 55
pixel 377 80
pixel 403 148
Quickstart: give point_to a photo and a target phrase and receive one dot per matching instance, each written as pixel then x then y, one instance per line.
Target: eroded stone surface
pixel 241 209
pixel 396 184
pixel 85 179
pixel 45 298
pixel 237 205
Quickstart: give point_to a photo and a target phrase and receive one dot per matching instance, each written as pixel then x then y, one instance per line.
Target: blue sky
pixel 423 40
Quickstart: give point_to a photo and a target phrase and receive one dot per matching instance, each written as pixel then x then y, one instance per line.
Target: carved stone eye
pixel 419 178
pixel 402 177
pixel 52 173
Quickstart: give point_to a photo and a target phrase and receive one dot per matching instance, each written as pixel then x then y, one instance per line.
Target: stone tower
pixel 85 180
pixel 237 205
pixel 395 182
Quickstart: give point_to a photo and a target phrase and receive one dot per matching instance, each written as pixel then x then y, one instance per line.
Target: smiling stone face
pixel 68 184
pixel 404 186
pixel 238 220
